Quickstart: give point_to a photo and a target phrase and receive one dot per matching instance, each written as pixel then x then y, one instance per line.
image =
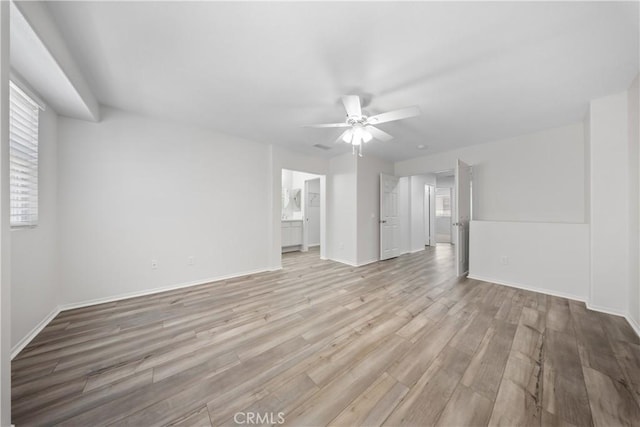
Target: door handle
pixel 384 221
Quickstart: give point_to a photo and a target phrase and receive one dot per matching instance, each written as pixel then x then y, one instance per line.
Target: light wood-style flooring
pixel 398 342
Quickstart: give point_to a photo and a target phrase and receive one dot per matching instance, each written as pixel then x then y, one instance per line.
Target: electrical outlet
pixel 154 264
pixel 191 260
pixel 504 260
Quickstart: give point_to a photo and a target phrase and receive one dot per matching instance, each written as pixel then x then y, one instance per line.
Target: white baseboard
pixel 605 310
pixel 370 261
pixel 342 261
pixel 416 250
pixel 634 325
pixel 63 307
pixel 119 297
pixel 528 288
pixel 353 264
pixel 20 345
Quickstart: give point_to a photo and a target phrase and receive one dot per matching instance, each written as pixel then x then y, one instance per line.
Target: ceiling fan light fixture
pixel 366 136
pixel 357 135
pixel 348 136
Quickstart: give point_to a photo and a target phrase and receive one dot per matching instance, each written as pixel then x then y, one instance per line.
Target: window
pixel 23 158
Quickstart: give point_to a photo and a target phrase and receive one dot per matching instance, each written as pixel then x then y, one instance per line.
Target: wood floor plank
pixel 399 342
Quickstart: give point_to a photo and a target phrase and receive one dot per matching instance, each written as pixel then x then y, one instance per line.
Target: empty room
pixel 319 213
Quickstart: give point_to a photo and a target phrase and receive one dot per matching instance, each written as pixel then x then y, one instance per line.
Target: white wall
pixel 609 204
pixel 634 201
pixel 534 177
pixel 369 169
pixel 342 212
pixel 133 189
pixel 543 257
pixel 35 292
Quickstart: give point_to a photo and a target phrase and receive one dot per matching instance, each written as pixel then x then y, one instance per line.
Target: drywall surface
pixel 133 190
pixel 369 169
pixel 533 177
pixel 609 203
pixel 634 202
pixel 342 211
pixel 35 291
pixel 551 258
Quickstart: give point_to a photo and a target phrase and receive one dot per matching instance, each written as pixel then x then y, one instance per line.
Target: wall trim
pixel 341 261
pixel 369 261
pixel 605 310
pixel 119 297
pixel 634 325
pixel 20 345
pixel 16 349
pixel 528 288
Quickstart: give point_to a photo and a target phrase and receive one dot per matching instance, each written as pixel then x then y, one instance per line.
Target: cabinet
pixel 291 233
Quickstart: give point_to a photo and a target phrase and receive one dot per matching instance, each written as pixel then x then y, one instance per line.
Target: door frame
pixel 274 253
pixel 387 222
pixel 305 210
pixel 462 189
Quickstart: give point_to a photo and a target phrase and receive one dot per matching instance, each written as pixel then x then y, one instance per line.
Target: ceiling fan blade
pixel 378 134
pixel 352 105
pixel 403 113
pixel 342 135
pixel 329 125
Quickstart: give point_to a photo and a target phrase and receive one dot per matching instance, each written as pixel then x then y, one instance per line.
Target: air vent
pixel 322 147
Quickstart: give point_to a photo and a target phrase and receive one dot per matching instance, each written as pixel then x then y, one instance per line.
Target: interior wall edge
pixel 529 288
pixel 24 341
pixel 632 323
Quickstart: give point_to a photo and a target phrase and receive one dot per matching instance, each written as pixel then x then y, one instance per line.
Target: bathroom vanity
pixel 291 234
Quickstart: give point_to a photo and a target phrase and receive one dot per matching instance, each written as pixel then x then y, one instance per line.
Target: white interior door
pixel 462 216
pixel 389 217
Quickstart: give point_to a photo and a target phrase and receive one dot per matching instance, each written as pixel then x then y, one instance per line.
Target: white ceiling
pixel 478 71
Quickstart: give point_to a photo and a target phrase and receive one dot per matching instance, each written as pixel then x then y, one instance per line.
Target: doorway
pixel 445 207
pixel 301 218
pixel 443 215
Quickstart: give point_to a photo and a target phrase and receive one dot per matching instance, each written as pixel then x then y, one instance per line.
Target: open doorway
pixel 443 215
pixel 445 200
pixel 301 214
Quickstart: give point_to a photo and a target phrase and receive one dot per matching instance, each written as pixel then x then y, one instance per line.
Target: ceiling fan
pixel 361 129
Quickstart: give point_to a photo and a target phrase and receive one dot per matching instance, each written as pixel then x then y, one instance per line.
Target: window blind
pixel 23 158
